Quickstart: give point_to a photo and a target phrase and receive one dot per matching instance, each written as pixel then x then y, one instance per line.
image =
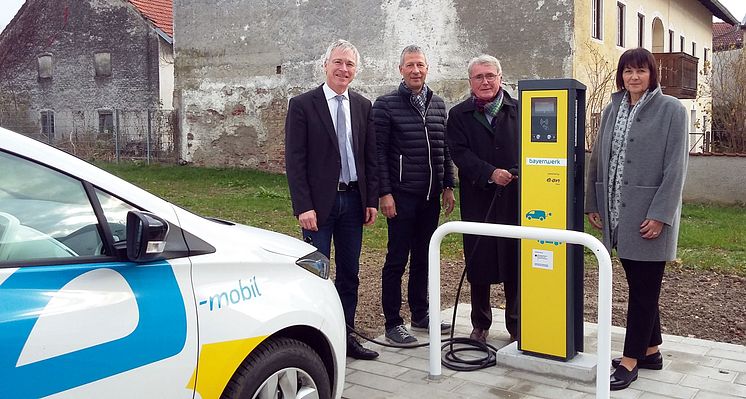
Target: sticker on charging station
pixel 546 161
pixel 542 259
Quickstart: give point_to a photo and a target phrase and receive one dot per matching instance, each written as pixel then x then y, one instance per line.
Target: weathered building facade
pixel 82 71
pixel 233 82
pixel 234 79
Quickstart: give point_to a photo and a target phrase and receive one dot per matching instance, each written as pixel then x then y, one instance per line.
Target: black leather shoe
pixel 650 362
pixel 356 351
pixel 622 378
pixel 478 334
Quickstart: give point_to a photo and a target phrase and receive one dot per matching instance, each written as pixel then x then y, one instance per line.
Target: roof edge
pixel 163 35
pixel 720 11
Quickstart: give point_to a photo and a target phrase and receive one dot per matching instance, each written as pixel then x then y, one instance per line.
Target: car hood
pixel 276 242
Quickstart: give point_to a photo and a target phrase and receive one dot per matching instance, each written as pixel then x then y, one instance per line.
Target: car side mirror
pixel 146 236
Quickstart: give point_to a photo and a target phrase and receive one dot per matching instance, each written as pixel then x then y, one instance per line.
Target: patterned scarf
pixel 618 154
pixel 489 107
pixel 419 100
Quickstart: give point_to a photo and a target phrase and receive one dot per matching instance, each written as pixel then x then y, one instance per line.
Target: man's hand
pixel 502 177
pixel 307 220
pixel 594 218
pixel 370 216
pixel 388 206
pixel 449 201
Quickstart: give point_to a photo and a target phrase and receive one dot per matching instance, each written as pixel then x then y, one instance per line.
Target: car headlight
pixel 315 263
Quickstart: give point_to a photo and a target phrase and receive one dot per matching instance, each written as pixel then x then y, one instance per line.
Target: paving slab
pixel 692 369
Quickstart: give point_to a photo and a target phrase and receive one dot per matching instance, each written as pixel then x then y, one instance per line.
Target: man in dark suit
pixel 330 158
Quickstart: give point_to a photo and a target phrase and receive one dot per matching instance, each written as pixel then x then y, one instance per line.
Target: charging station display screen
pixel 544 120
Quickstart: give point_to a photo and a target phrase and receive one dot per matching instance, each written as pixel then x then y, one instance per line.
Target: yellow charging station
pixel 552 124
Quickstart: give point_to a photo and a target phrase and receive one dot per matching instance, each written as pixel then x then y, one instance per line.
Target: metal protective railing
pixel 535 233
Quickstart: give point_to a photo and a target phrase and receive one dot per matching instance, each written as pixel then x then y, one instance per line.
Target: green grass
pixel 712 237
pixel 248 197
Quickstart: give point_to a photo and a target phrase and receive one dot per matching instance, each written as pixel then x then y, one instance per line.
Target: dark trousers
pixel 481 310
pixel 345 226
pixel 409 234
pixel 643 319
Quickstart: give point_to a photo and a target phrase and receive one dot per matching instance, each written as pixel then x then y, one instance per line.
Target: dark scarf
pixel 489 107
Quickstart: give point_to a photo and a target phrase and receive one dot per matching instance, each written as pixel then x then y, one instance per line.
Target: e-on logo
pixel 553 180
pixel 234 296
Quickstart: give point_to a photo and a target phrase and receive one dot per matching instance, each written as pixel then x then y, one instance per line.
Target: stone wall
pixel 716 178
pixel 712 179
pixel 233 82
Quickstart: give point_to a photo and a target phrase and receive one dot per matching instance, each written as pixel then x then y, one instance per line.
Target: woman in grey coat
pixel 633 194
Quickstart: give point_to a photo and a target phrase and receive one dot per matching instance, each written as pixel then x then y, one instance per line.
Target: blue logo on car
pixel 160 332
pixel 244 292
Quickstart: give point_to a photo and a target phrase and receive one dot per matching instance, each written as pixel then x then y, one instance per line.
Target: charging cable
pixel 457 347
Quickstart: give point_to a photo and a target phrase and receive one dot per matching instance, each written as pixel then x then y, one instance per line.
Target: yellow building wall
pixel 688 18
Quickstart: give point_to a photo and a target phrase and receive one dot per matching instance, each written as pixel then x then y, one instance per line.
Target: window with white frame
pixel 597 19
pixel 620 28
pixel 640 30
pixel 670 40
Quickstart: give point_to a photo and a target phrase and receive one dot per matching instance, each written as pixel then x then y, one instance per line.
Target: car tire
pixel 283 365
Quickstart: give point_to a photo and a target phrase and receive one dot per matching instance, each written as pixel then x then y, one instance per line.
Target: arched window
pixel 658 40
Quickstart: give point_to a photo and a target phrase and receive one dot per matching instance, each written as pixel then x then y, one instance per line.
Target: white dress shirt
pixel 331 101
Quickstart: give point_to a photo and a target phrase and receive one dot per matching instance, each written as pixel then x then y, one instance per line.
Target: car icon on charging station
pixel 537 214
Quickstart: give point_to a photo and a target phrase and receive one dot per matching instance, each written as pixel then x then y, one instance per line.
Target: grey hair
pixel 343 45
pixel 411 49
pixel 485 59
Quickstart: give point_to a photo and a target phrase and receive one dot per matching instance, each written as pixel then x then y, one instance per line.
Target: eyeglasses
pixel 490 77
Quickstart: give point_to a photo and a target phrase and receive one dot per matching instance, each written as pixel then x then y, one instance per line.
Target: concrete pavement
pixel 692 369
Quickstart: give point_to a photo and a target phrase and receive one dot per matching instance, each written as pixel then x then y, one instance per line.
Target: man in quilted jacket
pixel 415 171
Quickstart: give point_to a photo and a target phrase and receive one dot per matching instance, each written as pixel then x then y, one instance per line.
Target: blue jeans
pixel 345 226
pixel 409 236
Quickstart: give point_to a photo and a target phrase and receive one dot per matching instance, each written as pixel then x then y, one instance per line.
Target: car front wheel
pixel 280 368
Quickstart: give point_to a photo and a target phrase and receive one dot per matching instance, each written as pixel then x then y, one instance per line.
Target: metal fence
pixel 717 141
pixel 111 136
